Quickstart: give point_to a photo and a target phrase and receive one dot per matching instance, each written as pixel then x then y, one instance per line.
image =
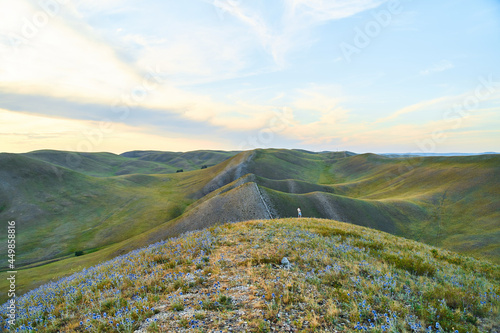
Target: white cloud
pixel 198 55
pixel 440 67
pixel 320 98
pixel 336 126
pixel 56 60
pixel 444 103
pixel 323 103
pixel 439 135
pixel 21 132
pixel 440 101
pixel 70 59
pixel 78 55
pixel 291 31
pixel 325 10
pixel 62 62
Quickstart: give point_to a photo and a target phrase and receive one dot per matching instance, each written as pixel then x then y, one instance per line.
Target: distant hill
pixel 284 275
pixel 449 202
pixel 188 161
pixel 140 162
pixel 436 154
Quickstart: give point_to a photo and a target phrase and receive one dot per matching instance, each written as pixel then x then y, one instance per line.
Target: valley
pixel 106 205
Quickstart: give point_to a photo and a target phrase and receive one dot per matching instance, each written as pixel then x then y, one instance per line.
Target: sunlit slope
pixel 337 277
pixel 460 196
pixel 142 162
pixel 191 160
pixel 106 216
pixel 450 202
pixel 59 211
pixel 453 202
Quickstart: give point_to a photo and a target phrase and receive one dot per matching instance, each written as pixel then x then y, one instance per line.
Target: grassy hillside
pixel 189 160
pixel 458 196
pixel 233 277
pixel 141 162
pixel 449 202
pixel 452 202
pixel 100 164
pixel 59 211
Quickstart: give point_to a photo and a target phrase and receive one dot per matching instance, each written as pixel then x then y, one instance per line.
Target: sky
pixel 359 75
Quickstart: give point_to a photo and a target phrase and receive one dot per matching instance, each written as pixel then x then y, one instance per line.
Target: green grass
pixel 79 212
pixel 342 278
pixel 61 211
pixel 449 202
pixel 136 162
pixel 109 215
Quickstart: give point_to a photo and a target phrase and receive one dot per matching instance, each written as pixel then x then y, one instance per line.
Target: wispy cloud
pixel 78 66
pixel 439 67
pixel 417 107
pixel 225 66
pixel 23 132
pixel 291 31
pixel 50 60
pixel 326 116
pixel 444 103
pixel 324 10
pixel 406 135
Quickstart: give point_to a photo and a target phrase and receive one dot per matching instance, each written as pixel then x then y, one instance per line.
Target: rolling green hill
pixel 449 202
pixel 59 211
pixel 142 162
pixel 298 275
pixel 189 160
pixel 452 202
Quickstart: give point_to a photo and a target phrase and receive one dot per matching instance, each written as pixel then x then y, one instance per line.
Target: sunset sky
pixel 359 75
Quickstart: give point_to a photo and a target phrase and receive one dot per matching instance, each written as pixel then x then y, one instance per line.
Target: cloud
pixel 324 10
pixel 440 67
pixel 292 30
pixel 417 107
pixel 320 98
pixel 446 103
pixel 322 117
pixel 50 60
pixel 70 60
pixel 21 132
pixel 194 72
pixel 438 135
pixel 198 55
pixel 337 126
pixel 273 41
pixel 86 82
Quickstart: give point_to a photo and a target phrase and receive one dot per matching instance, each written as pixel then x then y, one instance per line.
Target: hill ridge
pixel 107 216
pixel 336 277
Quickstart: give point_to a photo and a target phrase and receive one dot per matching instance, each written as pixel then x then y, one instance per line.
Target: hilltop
pixel 133 162
pixel 64 209
pixel 336 277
